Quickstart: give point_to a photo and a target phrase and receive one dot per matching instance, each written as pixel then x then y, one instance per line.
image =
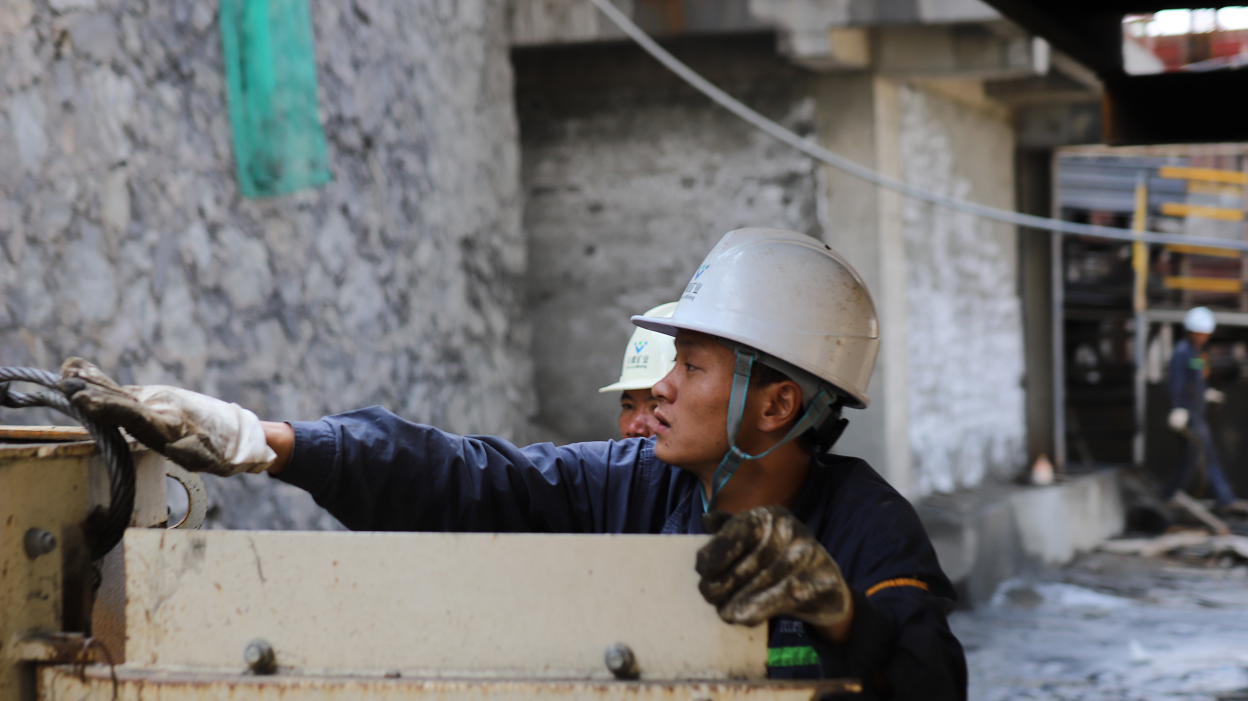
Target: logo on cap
pixel 639 345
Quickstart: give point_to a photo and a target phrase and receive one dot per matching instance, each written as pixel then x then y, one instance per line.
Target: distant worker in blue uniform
pixel 775 334
pixel 648 358
pixel 1189 395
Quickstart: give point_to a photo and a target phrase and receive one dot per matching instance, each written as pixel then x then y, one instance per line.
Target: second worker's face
pixel 637 413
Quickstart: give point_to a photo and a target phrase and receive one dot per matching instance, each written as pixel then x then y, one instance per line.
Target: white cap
pixel 648 357
pixel 790 296
pixel 1200 320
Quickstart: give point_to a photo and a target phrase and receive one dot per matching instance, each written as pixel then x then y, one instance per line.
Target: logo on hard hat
pixel 639 345
pixel 701 270
pixel 637 362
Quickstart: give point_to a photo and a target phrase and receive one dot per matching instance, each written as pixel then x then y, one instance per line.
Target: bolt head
pixel 260 657
pixel 38 542
pixel 620 659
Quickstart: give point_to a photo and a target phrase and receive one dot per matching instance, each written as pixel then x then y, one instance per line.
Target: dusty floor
pixel 1113 627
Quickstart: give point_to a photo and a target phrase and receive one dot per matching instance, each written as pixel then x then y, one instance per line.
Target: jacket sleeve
pixel 375 471
pixel 1176 383
pixel 900 644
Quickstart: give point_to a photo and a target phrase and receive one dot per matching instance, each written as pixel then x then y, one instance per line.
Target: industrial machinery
pixel 178 613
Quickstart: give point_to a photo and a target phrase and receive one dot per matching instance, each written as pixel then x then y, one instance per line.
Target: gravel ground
pixel 1113 627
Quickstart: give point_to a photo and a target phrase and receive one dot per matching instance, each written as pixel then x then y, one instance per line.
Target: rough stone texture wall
pixel 125 240
pixel 629 181
pixel 965 325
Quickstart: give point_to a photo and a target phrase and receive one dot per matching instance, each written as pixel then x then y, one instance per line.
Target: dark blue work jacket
pixel 1187 381
pixel 376 471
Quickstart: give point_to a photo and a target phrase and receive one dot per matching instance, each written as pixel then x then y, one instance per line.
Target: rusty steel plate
pixel 63 683
pixel 54 486
pixel 25 442
pixel 30 434
pixel 429 604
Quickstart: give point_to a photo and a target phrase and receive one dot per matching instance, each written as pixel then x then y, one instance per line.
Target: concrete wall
pixel 947 404
pixel 409 281
pixel 964 331
pixel 125 240
pixel 989 535
pixel 629 180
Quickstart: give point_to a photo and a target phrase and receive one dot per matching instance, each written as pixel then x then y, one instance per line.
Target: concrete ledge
pixel 986 536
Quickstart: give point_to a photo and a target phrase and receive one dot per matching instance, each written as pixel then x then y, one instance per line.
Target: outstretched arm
pixel 376 471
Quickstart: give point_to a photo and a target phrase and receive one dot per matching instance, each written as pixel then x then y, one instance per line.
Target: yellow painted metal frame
pixel 1203 251
pixel 1180 209
pixel 1211 175
pixel 1203 284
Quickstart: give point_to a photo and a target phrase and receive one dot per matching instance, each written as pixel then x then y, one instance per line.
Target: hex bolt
pixel 38 542
pixel 621 661
pixel 260 657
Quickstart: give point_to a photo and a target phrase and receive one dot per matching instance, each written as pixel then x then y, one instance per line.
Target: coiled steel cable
pixel 105 530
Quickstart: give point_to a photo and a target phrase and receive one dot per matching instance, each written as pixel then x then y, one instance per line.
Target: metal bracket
pixel 54 648
pixel 196 496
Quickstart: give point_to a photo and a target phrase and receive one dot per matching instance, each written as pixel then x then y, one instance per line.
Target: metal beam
pixel 429 604
pixel 53 486
pixel 1052 125
pixel 1177 108
pixel 1089 32
pixel 95 682
pixel 959 51
pixel 1175 316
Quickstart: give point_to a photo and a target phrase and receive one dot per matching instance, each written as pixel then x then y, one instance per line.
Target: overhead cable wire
pixel 858 170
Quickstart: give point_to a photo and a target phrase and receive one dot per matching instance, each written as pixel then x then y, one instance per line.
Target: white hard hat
pixel 789 296
pixel 1200 320
pixel 648 357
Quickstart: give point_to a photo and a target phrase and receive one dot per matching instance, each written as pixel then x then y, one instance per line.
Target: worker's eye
pixel 690 367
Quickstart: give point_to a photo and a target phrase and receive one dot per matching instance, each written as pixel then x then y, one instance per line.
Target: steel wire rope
pixel 113 447
pixel 858 170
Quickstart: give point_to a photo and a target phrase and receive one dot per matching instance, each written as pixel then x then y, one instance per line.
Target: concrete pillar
pixel 1035 260
pixel 859 118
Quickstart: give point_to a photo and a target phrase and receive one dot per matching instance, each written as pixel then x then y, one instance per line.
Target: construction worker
pixel 1188 396
pixel 647 358
pixel 775 334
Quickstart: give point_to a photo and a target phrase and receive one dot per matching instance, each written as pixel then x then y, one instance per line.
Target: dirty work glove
pixel 194 430
pixel 1214 396
pixel 1178 418
pixel 764 563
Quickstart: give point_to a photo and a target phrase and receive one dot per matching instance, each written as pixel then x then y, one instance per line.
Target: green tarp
pixel 270 73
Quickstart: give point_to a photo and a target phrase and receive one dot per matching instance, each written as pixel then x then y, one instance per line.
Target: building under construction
pixel 472 202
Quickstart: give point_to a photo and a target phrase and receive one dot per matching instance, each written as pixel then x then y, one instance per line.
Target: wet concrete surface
pixel 1113 627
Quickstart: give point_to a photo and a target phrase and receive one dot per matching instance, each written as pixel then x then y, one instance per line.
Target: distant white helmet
pixel 648 357
pixel 1200 320
pixel 790 296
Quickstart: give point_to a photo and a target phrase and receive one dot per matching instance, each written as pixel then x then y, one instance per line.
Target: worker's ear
pixel 781 405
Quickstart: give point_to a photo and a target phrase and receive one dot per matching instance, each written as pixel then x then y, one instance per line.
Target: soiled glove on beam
pixel 764 563
pixel 194 430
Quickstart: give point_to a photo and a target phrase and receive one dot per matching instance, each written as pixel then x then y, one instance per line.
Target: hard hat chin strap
pixel 819 409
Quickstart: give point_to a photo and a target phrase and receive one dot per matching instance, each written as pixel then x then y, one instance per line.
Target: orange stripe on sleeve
pixel 901 582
